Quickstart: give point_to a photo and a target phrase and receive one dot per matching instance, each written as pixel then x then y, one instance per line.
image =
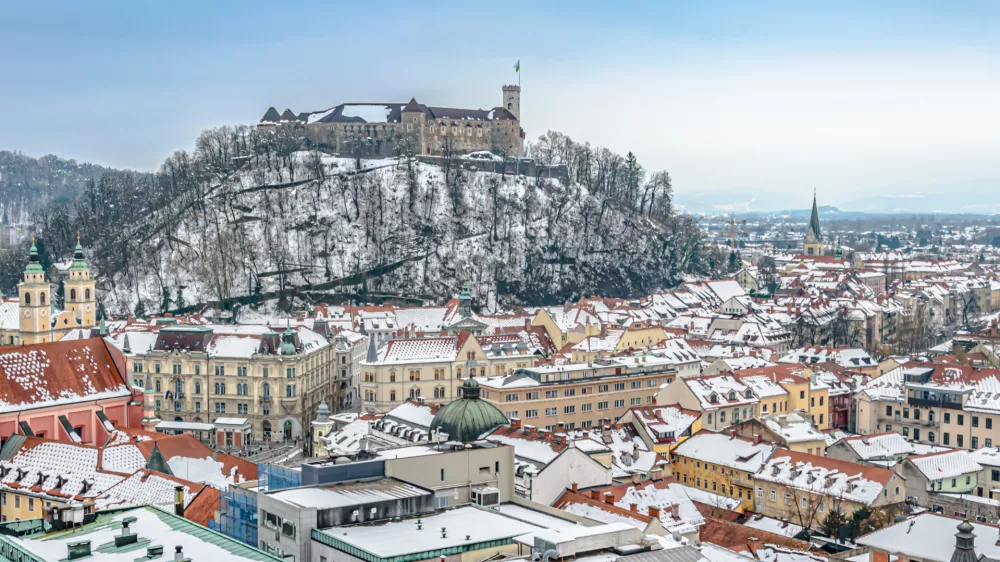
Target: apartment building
pixel 939 404
pixel 722 400
pixel 722 463
pixel 579 395
pixel 803 488
pixel 433 368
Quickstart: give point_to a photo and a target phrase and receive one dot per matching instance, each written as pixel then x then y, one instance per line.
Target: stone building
pixel 274 378
pixel 38 318
pixel 386 128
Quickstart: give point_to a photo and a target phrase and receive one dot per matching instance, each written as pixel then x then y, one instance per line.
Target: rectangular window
pixel 989 424
pixel 947 417
pixel 531 395
pixel 975 442
pixel 619 386
pixel 947 439
pixel 619 403
pixel 602 405
pixel 602 388
pixel 636 384
pixel 551 411
pixel 569 392
pixel 511 397
pixel 569 409
pixel 637 401
pixel 531 413
pixel 961 419
pixel 551 393
pixel 975 421
pixel 960 439
pixel 586 407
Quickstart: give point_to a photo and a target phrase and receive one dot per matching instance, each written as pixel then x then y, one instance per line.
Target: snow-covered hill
pixel 251 216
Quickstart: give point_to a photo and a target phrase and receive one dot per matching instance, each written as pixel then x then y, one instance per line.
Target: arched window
pixel 930 436
pixel 392 395
pixel 267 390
pixel 41 299
pixel 86 294
pixel 72 294
pixel 27 299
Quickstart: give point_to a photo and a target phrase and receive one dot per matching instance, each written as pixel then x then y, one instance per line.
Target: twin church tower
pixel 40 320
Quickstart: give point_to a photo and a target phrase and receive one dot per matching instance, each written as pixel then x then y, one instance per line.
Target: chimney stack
pixel 633 507
pixel 179 500
pixel 653 512
pixel 609 498
pixel 595 494
pixel 576 487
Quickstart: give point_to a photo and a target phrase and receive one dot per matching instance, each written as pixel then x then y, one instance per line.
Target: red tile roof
pixel 62 372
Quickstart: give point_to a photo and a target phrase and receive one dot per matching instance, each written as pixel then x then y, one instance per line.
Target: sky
pixel 749 105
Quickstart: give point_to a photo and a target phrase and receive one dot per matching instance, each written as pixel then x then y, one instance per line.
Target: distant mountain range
pixel 977 197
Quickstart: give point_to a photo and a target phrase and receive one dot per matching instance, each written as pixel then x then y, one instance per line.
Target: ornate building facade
pixel 38 318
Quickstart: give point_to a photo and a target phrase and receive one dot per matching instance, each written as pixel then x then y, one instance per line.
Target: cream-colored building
pixel 578 395
pixel 434 368
pixel 39 321
pixel 199 372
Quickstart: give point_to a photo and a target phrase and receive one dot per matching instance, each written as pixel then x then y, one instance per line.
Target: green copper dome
pixel 288 342
pixel 468 418
pixel 33 264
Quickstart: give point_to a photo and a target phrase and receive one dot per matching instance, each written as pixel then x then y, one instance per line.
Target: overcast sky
pixel 740 101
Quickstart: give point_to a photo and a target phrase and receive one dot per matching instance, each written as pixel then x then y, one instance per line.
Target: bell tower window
pixel 27 299
pixel 72 294
pixel 41 299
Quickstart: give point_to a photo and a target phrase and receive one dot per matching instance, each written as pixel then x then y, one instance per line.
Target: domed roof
pixel 468 418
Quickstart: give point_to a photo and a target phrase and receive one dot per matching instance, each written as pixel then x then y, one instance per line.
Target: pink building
pixel 72 391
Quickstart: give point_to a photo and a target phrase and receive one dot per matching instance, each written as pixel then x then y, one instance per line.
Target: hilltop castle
pixel 39 321
pixel 383 128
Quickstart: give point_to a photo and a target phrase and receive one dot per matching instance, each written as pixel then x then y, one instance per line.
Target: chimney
pixel 732 434
pixel 179 500
pixel 635 451
pixel 527 324
pixel 179 554
pixel 604 330
pixel 656 474
pixel 633 507
pixel 576 487
pixel 77 550
pixel 636 478
pixel 595 494
pixel 609 498
pixel 675 511
pixel 561 426
pixel 515 423
pixel 653 512
pixel 756 439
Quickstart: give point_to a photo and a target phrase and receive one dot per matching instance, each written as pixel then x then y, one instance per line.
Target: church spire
pixel 814 221
pixel 34 266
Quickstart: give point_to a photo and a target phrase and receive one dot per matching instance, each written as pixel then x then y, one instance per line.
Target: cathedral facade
pixel 39 318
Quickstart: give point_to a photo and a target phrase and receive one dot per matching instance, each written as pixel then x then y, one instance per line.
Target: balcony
pixel 265 399
pixel 933 403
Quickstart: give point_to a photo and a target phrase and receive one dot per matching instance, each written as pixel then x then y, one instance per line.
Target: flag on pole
pixel 517 66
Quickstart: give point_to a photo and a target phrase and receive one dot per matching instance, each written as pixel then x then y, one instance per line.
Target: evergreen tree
pixel 165 301
pixel 140 309
pixel 734 262
pixel 830 527
pixel 179 300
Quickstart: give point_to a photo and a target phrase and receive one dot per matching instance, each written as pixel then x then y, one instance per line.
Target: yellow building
pixel 663 428
pixel 722 463
pixel 40 321
pixel 611 342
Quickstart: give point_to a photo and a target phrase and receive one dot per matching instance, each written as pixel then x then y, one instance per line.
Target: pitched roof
pixel 47 374
pixel 741 538
pixel 814 222
pixel 271 116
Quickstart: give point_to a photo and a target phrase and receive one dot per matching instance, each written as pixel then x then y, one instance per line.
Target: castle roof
pixel 271 116
pixel 412 106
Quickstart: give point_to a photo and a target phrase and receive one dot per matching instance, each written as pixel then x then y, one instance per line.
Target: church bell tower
pixel 35 301
pixel 80 290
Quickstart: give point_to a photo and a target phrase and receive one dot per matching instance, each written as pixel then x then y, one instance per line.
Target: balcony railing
pixel 933 403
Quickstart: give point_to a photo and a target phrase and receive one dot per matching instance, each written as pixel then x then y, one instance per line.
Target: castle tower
pixel 512 100
pixel 79 289
pixel 813 242
pixel 36 300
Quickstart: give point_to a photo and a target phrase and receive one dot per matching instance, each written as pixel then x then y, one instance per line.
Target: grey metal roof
pixel 680 554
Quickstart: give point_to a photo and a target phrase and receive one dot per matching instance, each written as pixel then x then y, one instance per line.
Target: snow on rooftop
pixel 815 475
pixel 879 446
pixel 159 527
pixel 204 470
pixel 721 449
pixel 949 464
pixel 479 525
pixel 329 497
pixel 920 537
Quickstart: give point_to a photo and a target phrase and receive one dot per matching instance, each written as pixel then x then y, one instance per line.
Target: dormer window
pixel 713 398
pixel 748 394
pixel 732 395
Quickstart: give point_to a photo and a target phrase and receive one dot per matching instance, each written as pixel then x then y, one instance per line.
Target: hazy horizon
pixel 747 105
